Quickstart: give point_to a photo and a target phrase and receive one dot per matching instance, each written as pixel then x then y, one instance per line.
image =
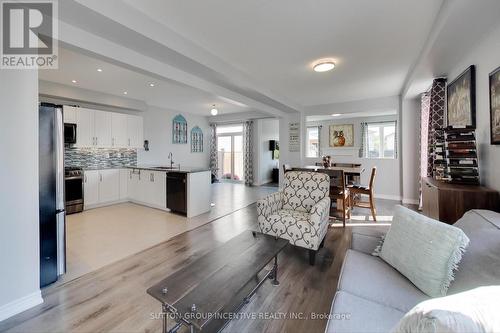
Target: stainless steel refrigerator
pixel 51 193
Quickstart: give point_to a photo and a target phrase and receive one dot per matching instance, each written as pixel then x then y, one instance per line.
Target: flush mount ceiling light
pixel 99 69
pixel 125 92
pixel 151 84
pixel 74 81
pixel 323 66
pixel 214 111
pixel 336 114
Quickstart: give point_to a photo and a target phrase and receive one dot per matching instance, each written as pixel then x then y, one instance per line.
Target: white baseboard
pixel 21 304
pixel 388 197
pixel 411 201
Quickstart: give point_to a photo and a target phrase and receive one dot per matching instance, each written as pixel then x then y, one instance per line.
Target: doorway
pixel 230 152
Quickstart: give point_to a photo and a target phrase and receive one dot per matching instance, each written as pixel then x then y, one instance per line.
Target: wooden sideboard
pixel 448 202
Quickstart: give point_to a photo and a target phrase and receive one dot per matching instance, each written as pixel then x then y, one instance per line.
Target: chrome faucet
pixel 171 157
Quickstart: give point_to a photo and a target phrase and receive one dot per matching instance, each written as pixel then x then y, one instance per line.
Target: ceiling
pixel 114 80
pixel 374 43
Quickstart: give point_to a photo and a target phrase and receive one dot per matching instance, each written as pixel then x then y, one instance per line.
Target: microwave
pixel 69 133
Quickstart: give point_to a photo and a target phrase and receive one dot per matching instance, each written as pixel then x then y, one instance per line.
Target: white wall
pixel 19 235
pixel 410 148
pixel 387 181
pixel 264 130
pixel 158 130
pixel 287 157
pixel 486 56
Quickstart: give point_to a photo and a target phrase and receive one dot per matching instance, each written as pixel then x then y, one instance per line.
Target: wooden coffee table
pixel 206 294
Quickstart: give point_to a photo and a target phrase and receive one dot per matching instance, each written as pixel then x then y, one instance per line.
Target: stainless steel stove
pixel 73 181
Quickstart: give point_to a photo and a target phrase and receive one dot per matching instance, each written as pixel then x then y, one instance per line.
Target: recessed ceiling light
pixel 74 81
pixel 336 114
pixel 214 111
pixel 125 92
pixel 324 66
pixel 151 84
pixel 99 69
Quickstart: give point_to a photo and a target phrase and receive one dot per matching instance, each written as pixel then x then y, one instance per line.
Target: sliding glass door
pixel 230 152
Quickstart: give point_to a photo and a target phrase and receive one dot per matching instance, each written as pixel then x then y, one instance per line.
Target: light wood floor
pixel 99 237
pixel 114 299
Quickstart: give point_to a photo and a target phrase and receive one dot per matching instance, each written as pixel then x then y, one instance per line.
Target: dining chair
pixel 339 192
pixel 357 189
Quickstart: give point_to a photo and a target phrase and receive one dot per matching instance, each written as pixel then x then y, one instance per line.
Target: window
pixel 312 141
pixel 381 140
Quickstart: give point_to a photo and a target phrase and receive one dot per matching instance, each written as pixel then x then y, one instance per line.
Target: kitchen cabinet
pixel 85 128
pixel 124 179
pixel 102 129
pixel 119 130
pixel 135 131
pixel 69 114
pixel 90 188
pixel 133 185
pixel 100 187
pixel 150 188
pixel 109 185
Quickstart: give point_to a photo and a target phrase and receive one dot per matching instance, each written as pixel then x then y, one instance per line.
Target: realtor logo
pixel 29 35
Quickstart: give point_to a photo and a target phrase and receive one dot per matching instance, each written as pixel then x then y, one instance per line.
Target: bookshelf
pixel 455 156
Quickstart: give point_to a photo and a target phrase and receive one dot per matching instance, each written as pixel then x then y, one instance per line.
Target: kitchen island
pixel 183 190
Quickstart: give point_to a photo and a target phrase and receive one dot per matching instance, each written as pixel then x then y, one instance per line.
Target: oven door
pixel 74 190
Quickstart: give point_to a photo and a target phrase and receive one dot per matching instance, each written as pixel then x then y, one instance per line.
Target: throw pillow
pixel 424 250
pixel 475 310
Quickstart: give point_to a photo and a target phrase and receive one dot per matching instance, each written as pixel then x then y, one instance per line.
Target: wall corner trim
pixel 21 304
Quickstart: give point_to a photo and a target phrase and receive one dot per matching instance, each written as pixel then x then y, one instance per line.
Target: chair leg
pixel 312 257
pixel 343 211
pixel 372 207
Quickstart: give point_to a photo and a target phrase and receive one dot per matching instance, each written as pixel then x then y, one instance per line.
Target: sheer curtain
pixel 213 150
pixel 248 152
pixel 362 146
pixel 432 115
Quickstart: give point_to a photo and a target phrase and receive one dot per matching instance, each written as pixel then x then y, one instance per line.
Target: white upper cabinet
pixel 135 131
pixel 69 114
pixel 85 128
pixel 102 129
pixel 119 130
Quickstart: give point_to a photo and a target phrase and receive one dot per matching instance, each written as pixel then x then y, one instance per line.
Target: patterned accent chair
pixel 299 212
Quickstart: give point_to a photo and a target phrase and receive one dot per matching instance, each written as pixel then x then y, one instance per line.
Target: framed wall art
pixel 342 135
pixel 196 140
pixel 179 129
pixel 495 106
pixel 462 100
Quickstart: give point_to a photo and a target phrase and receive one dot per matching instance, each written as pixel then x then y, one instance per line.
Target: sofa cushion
pixel 370 277
pixel 366 239
pixel 302 190
pixel 424 250
pixel 480 265
pixel 475 310
pixel 351 313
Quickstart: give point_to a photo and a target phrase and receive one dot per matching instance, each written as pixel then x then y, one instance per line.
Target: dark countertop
pixel 150 167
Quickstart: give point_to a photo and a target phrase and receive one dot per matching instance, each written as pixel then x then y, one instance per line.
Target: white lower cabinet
pixel 149 188
pixel 145 187
pixel 109 185
pixel 90 188
pixel 101 187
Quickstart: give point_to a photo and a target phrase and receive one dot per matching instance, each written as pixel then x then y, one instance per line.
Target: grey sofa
pixel 372 296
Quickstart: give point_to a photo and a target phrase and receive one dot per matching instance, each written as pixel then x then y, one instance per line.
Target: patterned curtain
pixel 432 115
pixel 247 152
pixel 213 150
pixel 362 146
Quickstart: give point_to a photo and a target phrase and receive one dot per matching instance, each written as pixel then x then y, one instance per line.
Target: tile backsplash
pixel 94 158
